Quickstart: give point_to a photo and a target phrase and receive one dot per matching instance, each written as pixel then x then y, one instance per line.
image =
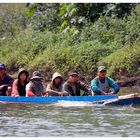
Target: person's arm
pixel 15 88
pixel 50 91
pixel 113 85
pixel 85 88
pixel 2 87
pixel 55 93
pixel 29 93
pixel 66 90
pixel 28 90
pixel 94 87
pixel 7 87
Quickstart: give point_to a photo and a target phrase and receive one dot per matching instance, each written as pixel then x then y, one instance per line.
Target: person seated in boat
pixel 55 87
pixel 73 85
pixel 36 87
pixel 6 82
pixel 103 85
pixel 19 85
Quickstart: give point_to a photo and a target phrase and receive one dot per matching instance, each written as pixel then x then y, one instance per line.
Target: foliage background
pixel 59 37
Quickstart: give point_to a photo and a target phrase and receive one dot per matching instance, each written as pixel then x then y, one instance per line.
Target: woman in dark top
pixel 19 85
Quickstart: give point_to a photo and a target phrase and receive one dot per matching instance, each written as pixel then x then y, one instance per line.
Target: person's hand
pixel 63 93
pixel 111 93
pixel 104 93
pixel 45 94
pixel 15 95
pixel 60 93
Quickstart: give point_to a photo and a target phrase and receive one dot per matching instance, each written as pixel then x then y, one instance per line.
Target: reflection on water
pixel 69 119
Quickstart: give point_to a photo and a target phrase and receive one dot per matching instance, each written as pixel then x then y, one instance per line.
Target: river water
pixel 69 119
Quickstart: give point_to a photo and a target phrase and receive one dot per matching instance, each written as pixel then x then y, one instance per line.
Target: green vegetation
pixel 60 37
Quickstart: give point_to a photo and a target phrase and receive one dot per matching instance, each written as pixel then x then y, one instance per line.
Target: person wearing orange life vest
pixel 103 85
pixel 36 86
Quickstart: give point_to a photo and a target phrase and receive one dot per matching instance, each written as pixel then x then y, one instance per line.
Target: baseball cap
pixel 2 66
pixel 72 72
pixel 102 68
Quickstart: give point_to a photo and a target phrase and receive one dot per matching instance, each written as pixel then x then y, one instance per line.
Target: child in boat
pixel 103 85
pixel 73 85
pixel 55 87
pixel 6 82
pixel 19 85
pixel 36 86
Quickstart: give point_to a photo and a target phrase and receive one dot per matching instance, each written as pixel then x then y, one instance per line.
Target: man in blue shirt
pixel 103 85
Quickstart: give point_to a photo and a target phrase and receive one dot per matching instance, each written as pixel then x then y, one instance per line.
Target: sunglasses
pixel 74 75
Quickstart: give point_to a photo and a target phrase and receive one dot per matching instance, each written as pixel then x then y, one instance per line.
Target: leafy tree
pixel 119 10
pixel 72 16
pixel 44 16
pixel 13 19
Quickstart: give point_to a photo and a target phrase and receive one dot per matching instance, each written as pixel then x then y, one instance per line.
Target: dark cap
pixel 72 72
pixel 36 75
pixel 2 66
pixel 101 68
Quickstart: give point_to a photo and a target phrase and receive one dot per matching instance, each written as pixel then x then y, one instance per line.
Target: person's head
pixel 102 71
pixel 2 70
pixel 23 74
pixel 36 76
pixel 73 76
pixel 57 79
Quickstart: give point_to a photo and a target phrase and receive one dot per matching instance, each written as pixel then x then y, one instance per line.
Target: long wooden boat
pixel 105 100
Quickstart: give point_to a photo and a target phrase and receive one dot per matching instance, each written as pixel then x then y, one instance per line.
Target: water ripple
pixel 79 119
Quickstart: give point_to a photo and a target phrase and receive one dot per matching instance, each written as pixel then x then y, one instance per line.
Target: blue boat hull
pixel 106 100
pixel 44 100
